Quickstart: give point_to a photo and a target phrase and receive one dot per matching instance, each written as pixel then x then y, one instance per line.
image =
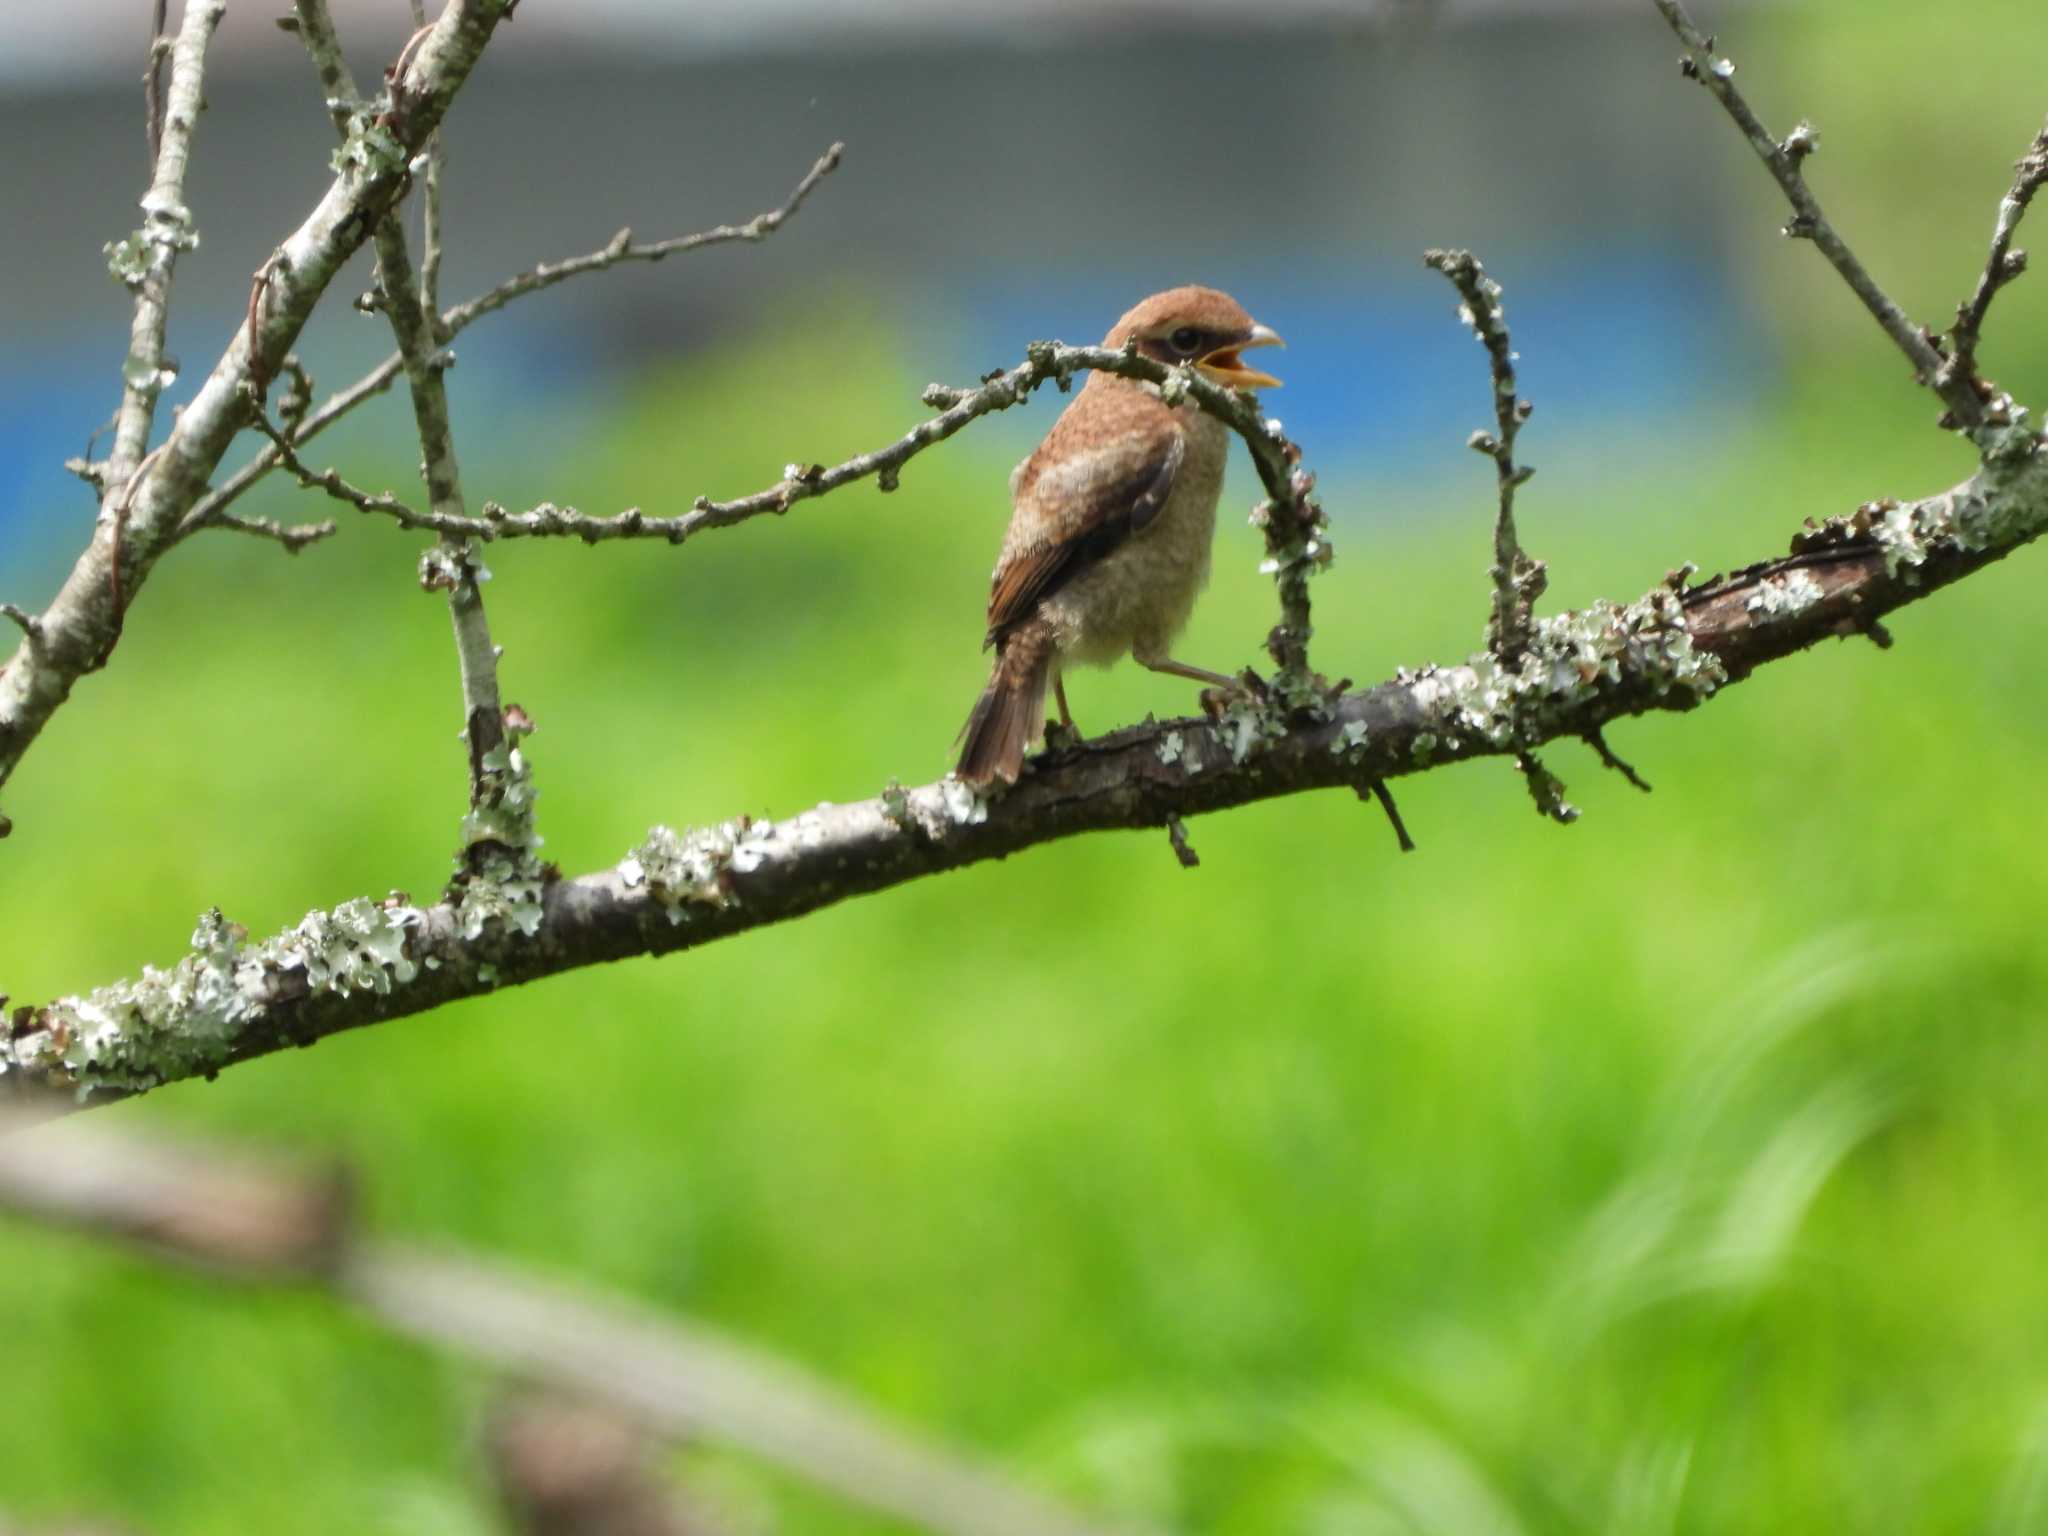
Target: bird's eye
pixel 1186 341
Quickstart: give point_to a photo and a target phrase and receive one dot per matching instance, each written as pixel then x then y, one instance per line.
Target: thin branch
pixel 210 510
pixel 1044 362
pixel 482 714
pixel 229 1000
pixel 1597 740
pixel 680 1379
pixel 290 537
pixel 453 321
pixel 1378 790
pixel 329 480
pixel 1518 580
pixel 2003 264
pixel 622 247
pixel 1717 73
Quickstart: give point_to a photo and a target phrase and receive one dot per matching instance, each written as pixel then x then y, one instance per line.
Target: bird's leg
pixel 1174 668
pixel 1061 733
pixel 1221 692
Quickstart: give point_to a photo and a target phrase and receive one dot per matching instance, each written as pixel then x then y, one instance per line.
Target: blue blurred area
pixel 1379 375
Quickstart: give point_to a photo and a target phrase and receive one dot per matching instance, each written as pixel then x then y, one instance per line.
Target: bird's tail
pixel 1011 710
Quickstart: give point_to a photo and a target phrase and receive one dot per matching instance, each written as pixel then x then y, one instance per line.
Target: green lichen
pixel 681 870
pixel 1782 596
pixel 368 148
pixel 129 259
pixel 1571 659
pixel 186 1020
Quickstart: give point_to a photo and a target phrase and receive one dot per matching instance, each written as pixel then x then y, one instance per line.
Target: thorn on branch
pixel 1597 740
pixel 1378 790
pixel 1177 834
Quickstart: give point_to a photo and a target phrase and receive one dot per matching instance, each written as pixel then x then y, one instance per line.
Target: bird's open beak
pixel 1226 367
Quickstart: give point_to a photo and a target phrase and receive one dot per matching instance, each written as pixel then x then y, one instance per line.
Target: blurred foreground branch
pixel 683 1381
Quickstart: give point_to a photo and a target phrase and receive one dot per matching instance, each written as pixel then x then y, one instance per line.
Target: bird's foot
pixel 1245 688
pixel 1060 735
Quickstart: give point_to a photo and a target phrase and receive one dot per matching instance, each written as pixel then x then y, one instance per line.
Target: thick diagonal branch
pixel 361 963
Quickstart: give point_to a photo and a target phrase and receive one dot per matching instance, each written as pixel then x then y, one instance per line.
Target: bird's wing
pixel 1087 498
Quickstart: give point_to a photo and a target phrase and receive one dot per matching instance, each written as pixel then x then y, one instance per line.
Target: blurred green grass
pixel 1678 1171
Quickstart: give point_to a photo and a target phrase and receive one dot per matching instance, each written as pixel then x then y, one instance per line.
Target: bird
pixel 1111 521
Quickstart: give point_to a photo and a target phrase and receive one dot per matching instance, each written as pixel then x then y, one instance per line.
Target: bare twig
pixel 483 714
pixel 454 320
pixel 1597 740
pixel 1044 362
pixel 290 537
pixel 2003 263
pixel 1518 580
pixel 1716 72
pixel 330 481
pixel 1379 791
pixel 622 247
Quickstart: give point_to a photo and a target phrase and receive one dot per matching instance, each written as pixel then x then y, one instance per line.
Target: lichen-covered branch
pixel 146 261
pixel 622 247
pixel 1518 580
pixel 372 172
pixel 1785 160
pixel 230 999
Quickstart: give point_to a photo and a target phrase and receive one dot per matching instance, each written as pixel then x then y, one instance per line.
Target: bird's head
pixel 1200 326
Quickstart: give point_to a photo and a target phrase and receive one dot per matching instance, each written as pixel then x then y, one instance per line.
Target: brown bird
pixel 1110 529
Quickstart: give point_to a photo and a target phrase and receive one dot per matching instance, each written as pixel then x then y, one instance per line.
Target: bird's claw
pixel 1246 688
pixel 1059 736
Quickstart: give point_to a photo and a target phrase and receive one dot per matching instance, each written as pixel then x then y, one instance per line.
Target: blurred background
pixel 1677 1171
